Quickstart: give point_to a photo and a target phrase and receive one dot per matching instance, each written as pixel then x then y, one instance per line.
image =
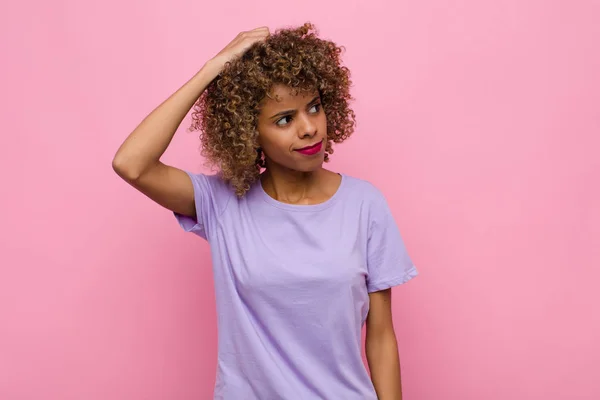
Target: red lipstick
pixel 311 150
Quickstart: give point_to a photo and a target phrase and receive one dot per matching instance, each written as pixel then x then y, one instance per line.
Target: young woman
pixel 302 256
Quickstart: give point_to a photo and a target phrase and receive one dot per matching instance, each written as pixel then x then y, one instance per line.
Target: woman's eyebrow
pixel 292 112
pixel 283 113
pixel 317 97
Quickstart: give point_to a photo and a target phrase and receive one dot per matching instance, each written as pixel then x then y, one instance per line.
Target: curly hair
pixel 227 112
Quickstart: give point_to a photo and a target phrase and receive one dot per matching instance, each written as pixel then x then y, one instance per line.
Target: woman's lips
pixel 310 150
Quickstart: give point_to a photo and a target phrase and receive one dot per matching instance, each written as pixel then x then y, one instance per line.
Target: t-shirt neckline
pixel 303 207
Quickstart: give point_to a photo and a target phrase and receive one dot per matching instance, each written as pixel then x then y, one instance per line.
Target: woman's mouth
pixel 311 150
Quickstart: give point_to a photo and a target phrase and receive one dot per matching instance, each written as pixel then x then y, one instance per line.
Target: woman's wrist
pixel 212 68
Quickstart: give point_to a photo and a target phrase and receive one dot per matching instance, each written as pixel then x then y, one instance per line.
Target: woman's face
pixel 292 130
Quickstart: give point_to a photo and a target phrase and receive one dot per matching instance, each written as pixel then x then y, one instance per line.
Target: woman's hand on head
pixel 239 45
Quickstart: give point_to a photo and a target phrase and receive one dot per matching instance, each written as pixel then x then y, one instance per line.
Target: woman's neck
pixel 296 187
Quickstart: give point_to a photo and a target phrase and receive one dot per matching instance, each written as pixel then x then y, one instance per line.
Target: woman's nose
pixel 307 127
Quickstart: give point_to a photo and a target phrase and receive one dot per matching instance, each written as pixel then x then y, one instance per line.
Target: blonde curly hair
pixel 227 112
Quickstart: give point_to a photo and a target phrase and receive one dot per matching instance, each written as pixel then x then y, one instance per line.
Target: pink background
pixel 480 120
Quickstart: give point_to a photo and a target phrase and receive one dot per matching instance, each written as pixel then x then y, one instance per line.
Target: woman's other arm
pixel 382 348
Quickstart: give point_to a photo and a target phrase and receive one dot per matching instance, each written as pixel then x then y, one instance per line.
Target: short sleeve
pixel 211 197
pixel 387 259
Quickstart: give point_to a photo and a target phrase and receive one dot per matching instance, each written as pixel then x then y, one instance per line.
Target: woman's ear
pixel 260 158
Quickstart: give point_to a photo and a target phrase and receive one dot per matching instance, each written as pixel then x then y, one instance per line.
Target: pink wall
pixel 480 120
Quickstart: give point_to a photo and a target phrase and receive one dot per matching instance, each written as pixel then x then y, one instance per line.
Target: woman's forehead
pixel 281 95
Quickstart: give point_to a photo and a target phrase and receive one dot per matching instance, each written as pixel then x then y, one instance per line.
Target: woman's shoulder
pixel 362 187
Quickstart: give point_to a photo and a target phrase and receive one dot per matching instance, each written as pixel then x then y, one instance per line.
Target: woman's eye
pixel 316 108
pixel 284 121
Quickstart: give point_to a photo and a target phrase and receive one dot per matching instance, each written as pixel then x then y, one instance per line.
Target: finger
pixel 252 34
pixel 253 31
pixel 255 36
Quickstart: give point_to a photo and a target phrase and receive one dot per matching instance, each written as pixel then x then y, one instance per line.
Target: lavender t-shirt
pixel 292 284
